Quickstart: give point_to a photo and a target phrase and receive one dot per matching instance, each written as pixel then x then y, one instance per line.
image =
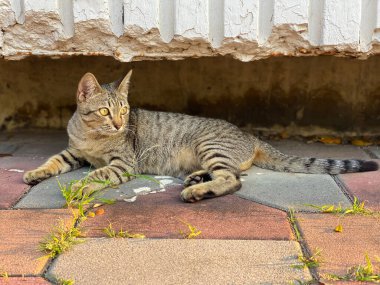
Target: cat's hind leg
pixel 223 182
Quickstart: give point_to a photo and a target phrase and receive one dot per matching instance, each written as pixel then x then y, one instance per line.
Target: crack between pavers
pixel 343 187
pixel 305 250
pixel 21 197
pixel 370 153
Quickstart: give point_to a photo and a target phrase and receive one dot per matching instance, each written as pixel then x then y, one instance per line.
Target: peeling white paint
pixel 132 30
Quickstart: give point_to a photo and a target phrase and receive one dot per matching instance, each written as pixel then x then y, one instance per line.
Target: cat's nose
pixel 117 125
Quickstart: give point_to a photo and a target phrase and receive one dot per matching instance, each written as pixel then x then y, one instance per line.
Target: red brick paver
pixel 159 216
pixel 23 281
pixel 364 185
pixel 340 251
pixel 11 188
pixel 20 234
pixel 11 185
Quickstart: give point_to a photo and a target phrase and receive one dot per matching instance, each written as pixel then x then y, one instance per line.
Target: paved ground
pixel 246 238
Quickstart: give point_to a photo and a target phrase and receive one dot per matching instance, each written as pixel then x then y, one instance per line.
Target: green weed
pixel 192 233
pixel 63 238
pixel 146 177
pixel 309 262
pixel 362 273
pixel 62 281
pixel 294 223
pixel 357 208
pixel 80 198
pixel 110 232
pixel 4 274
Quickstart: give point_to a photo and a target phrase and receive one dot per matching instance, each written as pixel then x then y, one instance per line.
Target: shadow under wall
pixel 316 93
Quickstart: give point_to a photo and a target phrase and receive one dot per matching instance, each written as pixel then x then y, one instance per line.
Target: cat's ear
pixel 87 87
pixel 124 85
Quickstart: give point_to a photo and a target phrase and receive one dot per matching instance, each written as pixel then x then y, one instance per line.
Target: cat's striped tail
pixel 265 156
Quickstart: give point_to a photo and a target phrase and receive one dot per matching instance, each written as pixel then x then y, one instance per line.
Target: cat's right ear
pixel 87 87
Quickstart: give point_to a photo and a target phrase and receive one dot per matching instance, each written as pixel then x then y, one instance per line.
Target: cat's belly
pixel 178 163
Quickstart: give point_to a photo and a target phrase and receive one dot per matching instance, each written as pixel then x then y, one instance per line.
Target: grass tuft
pixel 363 273
pixel 62 239
pixel 146 177
pixel 110 232
pixel 81 199
pixel 309 262
pixel 62 281
pixel 4 274
pixel 294 224
pixel 192 233
pixel 357 208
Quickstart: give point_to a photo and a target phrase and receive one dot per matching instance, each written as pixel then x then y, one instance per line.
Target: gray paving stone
pixel 121 261
pixel 290 190
pixel 47 193
pixel 375 150
pixel 319 150
pixel 7 149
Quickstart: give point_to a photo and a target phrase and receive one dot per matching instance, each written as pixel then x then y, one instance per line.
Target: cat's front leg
pixel 117 172
pixel 67 160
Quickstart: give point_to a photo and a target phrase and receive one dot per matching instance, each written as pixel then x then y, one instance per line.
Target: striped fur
pixel 210 154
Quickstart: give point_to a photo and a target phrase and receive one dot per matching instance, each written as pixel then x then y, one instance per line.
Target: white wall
pixel 132 30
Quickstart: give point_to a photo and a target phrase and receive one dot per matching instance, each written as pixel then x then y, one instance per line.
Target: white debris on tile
pixel 164 182
pixel 162 177
pixel 15 170
pixel 130 200
pixel 142 190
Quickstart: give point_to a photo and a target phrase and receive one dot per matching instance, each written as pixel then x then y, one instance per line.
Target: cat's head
pixel 104 109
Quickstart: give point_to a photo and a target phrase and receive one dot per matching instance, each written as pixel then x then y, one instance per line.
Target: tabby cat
pixel 210 154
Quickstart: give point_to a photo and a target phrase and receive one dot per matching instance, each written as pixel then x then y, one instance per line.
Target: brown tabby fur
pixel 210 153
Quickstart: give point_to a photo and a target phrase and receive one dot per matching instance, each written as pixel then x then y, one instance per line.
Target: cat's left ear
pixel 124 85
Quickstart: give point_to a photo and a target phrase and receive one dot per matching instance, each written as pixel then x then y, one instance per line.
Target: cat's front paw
pixel 33 177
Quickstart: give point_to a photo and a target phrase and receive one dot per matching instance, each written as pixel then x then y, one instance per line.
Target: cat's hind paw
pixel 196 193
pixel 197 177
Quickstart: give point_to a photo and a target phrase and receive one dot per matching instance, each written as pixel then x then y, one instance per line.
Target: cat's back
pixel 169 127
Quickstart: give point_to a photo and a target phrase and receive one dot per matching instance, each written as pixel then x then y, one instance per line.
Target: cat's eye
pixel 104 111
pixel 123 110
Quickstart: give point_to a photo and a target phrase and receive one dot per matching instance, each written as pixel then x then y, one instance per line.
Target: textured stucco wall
pixel 132 30
pixel 303 95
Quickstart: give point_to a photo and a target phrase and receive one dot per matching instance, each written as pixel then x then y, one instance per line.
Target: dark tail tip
pixel 369 166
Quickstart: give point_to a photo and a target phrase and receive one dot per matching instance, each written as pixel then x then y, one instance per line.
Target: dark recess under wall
pixel 305 95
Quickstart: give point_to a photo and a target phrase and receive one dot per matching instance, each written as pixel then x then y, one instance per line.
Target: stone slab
pixel 341 251
pixel 20 163
pixel 375 150
pixel 290 190
pixel 7 149
pixel 48 195
pixel 23 281
pixel 37 143
pixel 162 215
pixel 11 188
pixel 121 261
pixel 365 186
pixel 20 234
pixel 319 150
